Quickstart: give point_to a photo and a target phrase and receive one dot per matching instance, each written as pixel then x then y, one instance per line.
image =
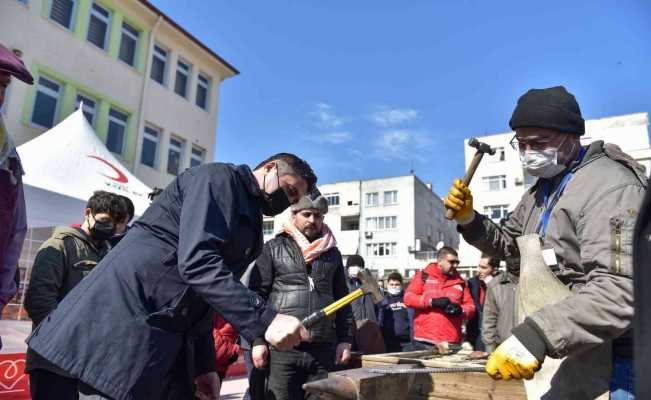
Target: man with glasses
pixel 442 301
pixel 583 207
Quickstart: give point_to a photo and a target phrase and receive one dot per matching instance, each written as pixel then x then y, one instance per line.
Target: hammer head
pixel 369 285
pixel 481 146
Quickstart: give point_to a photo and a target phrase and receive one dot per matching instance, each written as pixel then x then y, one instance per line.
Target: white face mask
pixel 541 163
pixel 353 271
pixel 394 291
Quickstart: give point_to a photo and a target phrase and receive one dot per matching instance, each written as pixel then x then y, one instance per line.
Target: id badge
pixel 549 255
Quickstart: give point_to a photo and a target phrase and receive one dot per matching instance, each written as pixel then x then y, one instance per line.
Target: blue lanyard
pixel 549 205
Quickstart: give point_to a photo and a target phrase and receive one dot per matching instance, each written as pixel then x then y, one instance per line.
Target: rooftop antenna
pixel 411 170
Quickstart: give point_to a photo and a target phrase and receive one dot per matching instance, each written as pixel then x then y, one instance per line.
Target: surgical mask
pixel 541 163
pixel 394 291
pixel 102 230
pixel 275 199
pixel 353 271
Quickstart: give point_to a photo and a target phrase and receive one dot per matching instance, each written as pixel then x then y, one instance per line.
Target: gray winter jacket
pixel 500 313
pixel 591 230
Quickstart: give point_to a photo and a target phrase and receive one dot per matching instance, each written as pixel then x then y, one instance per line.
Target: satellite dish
pixel 440 245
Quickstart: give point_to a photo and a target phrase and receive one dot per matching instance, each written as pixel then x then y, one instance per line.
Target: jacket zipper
pixel 617 243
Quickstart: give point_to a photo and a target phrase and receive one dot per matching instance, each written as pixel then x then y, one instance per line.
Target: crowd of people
pixel 158 310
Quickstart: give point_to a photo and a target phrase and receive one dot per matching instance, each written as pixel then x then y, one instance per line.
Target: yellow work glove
pixel 459 200
pixel 512 360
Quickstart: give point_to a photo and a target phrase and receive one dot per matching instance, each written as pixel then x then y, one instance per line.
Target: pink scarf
pixel 314 249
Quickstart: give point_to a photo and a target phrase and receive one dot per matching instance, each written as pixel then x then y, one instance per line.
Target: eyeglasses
pixel 454 262
pixel 533 144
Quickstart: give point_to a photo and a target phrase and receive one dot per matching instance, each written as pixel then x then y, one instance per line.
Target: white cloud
pixel 393 116
pixel 402 144
pixel 325 117
pixel 339 137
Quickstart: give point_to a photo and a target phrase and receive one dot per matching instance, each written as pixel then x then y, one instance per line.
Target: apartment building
pixel 149 88
pixel 500 181
pixel 394 223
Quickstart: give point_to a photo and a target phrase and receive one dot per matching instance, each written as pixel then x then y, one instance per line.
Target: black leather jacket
pixel 281 276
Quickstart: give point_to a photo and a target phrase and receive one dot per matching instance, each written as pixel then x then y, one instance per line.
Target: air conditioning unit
pixel 518 181
pixel 368 235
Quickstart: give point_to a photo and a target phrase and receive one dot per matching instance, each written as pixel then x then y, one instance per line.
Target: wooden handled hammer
pixel 369 285
pixel 482 148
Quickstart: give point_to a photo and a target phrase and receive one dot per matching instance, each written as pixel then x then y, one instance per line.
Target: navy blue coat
pixel 139 325
pixel 396 319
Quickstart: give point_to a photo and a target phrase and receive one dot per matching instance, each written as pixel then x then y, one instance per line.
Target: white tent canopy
pixel 64 166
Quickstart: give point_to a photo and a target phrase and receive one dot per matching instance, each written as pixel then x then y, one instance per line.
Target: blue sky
pixel 365 89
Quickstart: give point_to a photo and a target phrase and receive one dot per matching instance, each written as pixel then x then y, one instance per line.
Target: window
pixel 381 249
pixel 150 140
pixel 371 199
pixel 494 183
pixel 391 197
pixel 182 78
pixel 98 26
pixel 158 63
pixel 499 156
pixel 381 223
pixel 496 213
pixel 203 84
pixel 197 156
pixel 89 107
pixel 128 44
pixel 46 102
pixel 267 227
pixel 61 12
pixel 333 199
pixel 174 155
pixel 117 128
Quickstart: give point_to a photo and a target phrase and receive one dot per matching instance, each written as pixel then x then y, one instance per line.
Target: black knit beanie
pixel 551 108
pixel 355 259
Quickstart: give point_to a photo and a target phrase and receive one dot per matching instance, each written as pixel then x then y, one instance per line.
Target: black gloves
pixel 453 309
pixel 439 302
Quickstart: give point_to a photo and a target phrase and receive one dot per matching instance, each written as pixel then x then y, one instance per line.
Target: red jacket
pixel 226 347
pixel 432 324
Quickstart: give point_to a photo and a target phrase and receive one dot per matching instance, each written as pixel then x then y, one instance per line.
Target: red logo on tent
pixel 122 178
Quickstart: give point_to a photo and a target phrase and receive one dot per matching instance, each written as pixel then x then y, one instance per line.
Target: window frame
pixel 370 195
pixel 169 149
pixel 188 76
pixel 266 231
pixel 334 195
pixel 73 14
pixel 159 136
pixel 57 108
pixel 155 54
pixel 117 121
pixel 192 155
pixel 95 107
pixel 503 208
pixel 395 197
pixel 501 181
pixel 100 17
pixel 136 47
pixel 206 85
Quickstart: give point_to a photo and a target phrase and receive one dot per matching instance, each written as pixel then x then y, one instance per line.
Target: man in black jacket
pixel 301 271
pixel 140 325
pixel 487 268
pixel 396 319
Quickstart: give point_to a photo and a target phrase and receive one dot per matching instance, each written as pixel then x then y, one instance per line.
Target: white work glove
pixel 260 355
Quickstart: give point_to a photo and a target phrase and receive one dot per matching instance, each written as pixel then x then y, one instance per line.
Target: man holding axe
pixel 583 207
pixel 300 273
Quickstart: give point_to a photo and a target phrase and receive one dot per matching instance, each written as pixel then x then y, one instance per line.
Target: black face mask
pixel 102 230
pixel 276 202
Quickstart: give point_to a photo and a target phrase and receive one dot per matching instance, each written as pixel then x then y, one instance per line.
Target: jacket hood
pixel 62 231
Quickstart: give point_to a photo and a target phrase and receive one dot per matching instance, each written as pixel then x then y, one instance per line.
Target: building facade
pixel 500 181
pixel 148 87
pixel 394 223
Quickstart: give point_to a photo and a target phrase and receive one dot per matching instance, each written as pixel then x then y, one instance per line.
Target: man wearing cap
pixel 13 222
pixel 583 207
pixel 301 271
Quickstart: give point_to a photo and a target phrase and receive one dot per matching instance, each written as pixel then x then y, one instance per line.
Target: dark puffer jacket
pixel 281 276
